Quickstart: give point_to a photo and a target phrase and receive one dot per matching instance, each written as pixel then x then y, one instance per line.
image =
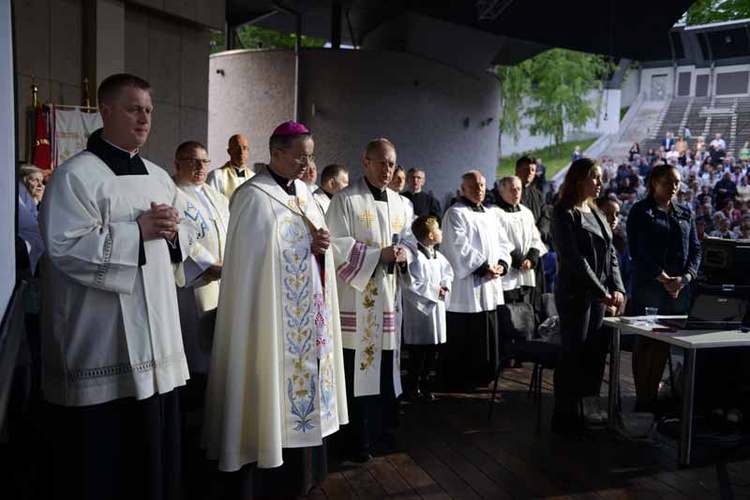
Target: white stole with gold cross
pixel 369 295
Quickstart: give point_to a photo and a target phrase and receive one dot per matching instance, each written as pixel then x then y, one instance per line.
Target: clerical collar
pixel 427 252
pixel 507 206
pixel 475 207
pixel 286 184
pixel 239 171
pixel 377 193
pixel 330 196
pixel 120 161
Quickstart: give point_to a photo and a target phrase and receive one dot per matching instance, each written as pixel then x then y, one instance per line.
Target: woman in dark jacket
pixel 665 254
pixel 588 280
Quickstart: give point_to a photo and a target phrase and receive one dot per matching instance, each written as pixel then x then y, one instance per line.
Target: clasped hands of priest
pixel 393 253
pixel 160 221
pixel 494 271
pixel 321 241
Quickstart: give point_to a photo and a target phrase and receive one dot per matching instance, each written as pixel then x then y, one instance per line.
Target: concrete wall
pixel 164 41
pixel 350 97
pixel 250 93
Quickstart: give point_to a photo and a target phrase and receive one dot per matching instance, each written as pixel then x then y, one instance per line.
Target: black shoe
pixel 412 395
pixel 427 396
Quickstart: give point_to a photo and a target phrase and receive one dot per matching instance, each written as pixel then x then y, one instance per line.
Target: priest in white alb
pixel 276 382
pixel 227 178
pixel 112 347
pixel 528 248
pixel 367 221
pixel 478 249
pixel 333 179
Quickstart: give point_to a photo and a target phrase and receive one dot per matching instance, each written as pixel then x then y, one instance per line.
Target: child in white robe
pixel 425 301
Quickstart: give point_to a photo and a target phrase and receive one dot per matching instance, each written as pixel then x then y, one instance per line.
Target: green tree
pixel 561 82
pixel 255 37
pixel 515 85
pixel 713 11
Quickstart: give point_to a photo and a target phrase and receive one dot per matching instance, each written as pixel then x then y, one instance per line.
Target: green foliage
pixel 555 84
pixel 255 37
pixel 515 84
pixel 562 81
pixel 714 11
pixel 552 160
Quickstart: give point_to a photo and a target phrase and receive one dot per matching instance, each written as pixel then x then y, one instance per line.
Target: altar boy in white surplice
pixel 276 382
pixel 425 300
pixel 367 221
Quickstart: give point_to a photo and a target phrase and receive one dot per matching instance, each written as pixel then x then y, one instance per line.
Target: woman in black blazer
pixel 588 280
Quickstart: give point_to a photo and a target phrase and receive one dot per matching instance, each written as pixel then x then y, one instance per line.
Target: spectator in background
pixel 635 149
pixel 723 228
pixel 424 203
pixel 33 182
pixel 540 182
pixel 311 176
pixel 668 141
pixel 743 190
pixel 577 155
pixel 610 207
pixel 745 152
pixel 732 214
pixel 725 189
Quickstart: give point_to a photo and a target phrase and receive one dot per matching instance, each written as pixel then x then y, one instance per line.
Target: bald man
pixel 478 249
pixel 234 172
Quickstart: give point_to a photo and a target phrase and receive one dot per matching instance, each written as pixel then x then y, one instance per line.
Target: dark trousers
pixel 122 449
pixel 470 357
pixel 422 364
pixel 584 349
pixel 370 417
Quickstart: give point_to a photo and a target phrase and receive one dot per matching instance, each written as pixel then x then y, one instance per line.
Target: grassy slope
pixel 506 165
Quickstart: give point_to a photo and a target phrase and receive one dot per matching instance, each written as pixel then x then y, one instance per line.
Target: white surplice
pixel 225 179
pixel 322 198
pixel 111 328
pixel 208 210
pixel 277 371
pixel 369 296
pixel 470 239
pixel 424 310
pixel 523 235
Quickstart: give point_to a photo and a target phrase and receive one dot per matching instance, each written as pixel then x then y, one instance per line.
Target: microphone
pixel 394 241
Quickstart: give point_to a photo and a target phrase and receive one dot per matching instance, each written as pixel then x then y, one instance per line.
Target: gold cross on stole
pixel 366 218
pixel 397 225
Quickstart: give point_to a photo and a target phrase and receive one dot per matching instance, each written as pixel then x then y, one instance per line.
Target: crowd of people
pixel 275 311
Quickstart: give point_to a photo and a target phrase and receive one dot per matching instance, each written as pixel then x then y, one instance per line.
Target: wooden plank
pixel 454 485
pixel 480 482
pixel 531 477
pixel 389 479
pixel 420 481
pixel 363 484
pixel 509 482
pixel 337 487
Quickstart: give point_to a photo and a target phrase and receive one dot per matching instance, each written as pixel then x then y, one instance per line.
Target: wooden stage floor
pixel 449 449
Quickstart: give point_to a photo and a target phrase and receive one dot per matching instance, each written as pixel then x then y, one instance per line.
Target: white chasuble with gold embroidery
pixel 208 210
pixel 369 294
pixel 277 372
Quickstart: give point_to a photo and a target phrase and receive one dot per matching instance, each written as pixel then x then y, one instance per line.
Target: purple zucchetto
pixel 290 128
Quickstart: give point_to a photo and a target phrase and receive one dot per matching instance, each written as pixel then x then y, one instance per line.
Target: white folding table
pixel 690 341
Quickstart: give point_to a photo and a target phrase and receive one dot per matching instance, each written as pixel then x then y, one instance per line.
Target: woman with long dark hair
pixel 665 253
pixel 588 280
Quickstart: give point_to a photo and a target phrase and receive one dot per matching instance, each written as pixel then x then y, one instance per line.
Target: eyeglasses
pixel 305 159
pixel 195 162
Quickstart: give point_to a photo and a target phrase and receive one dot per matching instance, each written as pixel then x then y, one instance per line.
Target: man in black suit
pixel 532 199
pixel 424 203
